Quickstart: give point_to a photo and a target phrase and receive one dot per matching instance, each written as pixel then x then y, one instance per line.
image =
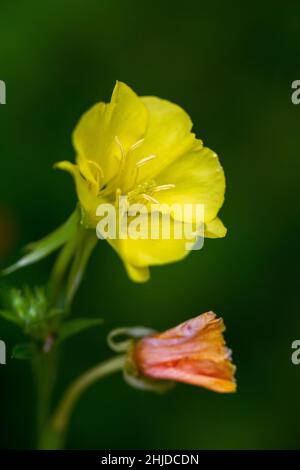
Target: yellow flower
pixel 143 148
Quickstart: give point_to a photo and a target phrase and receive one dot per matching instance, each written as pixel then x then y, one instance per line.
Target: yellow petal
pixel 198 178
pixel 88 200
pixel 137 274
pixel 94 138
pixel 150 252
pixel 168 136
pixel 215 229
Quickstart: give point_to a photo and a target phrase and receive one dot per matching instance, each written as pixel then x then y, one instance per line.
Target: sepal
pixel 131 372
pixel 44 247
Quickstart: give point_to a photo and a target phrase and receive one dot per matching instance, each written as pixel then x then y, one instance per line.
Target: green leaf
pixel 10 316
pixel 24 351
pixel 47 245
pixel 73 327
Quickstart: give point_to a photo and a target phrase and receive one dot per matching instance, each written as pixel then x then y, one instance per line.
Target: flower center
pixel 125 182
pixel 142 192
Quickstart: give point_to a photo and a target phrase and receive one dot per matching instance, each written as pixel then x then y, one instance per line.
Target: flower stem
pixel 45 372
pixel 54 434
pixel 86 243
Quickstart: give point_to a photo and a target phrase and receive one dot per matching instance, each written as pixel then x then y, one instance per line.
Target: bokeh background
pixel 231 67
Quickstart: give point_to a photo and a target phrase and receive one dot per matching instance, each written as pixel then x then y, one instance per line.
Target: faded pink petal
pixel 193 352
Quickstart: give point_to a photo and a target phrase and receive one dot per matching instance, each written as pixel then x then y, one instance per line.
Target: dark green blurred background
pixel 231 67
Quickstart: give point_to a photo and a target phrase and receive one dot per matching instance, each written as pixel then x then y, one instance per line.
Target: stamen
pixel 137 144
pixel 117 197
pixel 163 187
pixel 145 160
pixel 120 147
pixel 149 198
pixel 97 166
pixel 136 176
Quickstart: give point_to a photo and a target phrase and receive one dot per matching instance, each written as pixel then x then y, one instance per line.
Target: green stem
pixel 86 242
pixel 45 371
pixel 69 268
pixel 64 281
pixel 54 434
pixel 62 263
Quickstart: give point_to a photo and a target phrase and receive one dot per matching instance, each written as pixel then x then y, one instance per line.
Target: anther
pixel 145 160
pixel 163 187
pixel 149 198
pixel 137 144
pixel 120 147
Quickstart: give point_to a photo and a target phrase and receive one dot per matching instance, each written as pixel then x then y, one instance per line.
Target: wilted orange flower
pixel 193 352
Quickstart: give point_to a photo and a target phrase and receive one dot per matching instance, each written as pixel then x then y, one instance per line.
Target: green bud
pixel 29 308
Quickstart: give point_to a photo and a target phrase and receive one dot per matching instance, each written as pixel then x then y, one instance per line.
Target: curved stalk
pixel 55 432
